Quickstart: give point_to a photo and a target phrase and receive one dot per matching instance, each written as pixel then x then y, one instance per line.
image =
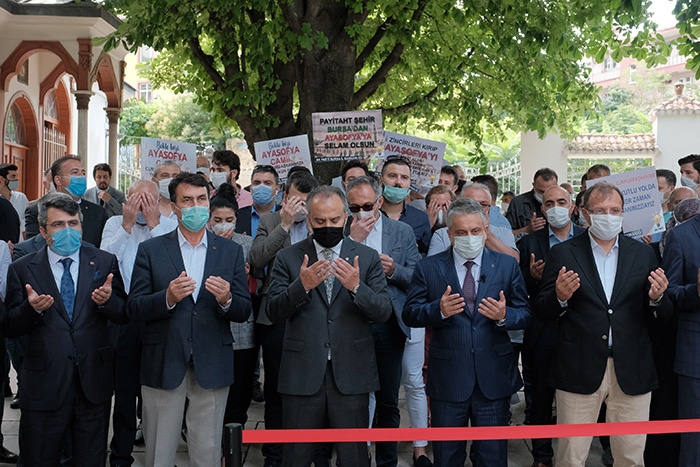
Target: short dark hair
pixel 298 169
pixel 187 178
pixel 689 158
pixel 58 164
pixel 546 173
pixel 397 161
pixel 302 181
pixel 58 201
pixel 5 169
pixel 227 158
pixel 103 167
pixel 508 193
pixel 580 197
pixel 225 197
pixel 598 169
pixel 668 175
pixel 354 164
pixel 491 182
pixel 448 170
pixel 605 189
pixel 268 169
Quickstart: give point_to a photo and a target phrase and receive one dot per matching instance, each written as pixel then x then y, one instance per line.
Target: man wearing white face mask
pixel 226 168
pixel 162 176
pixel 604 289
pixel 524 212
pixel 141 220
pixel 9 184
pixel 540 338
pixel 470 296
pixel 690 170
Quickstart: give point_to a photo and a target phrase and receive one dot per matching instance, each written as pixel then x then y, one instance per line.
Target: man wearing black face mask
pixel 328 289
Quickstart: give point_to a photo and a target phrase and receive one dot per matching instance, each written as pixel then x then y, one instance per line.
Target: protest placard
pixel 426 158
pixel 342 136
pixel 643 214
pixel 154 151
pixel 284 153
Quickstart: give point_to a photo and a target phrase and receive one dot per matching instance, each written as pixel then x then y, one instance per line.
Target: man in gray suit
pixel 186 287
pixel 104 194
pixel 328 289
pixel 396 244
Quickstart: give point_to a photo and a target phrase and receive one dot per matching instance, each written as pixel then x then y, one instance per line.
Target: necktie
pixel 67 287
pixel 328 253
pixel 468 287
pixel 102 203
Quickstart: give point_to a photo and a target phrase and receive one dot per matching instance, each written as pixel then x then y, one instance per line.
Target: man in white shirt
pixel 122 236
pixel 9 183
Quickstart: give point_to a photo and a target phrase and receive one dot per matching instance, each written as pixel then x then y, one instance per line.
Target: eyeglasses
pixel 354 208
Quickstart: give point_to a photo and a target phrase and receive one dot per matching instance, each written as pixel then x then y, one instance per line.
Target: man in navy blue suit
pixel 470 296
pixel 186 287
pixel 682 261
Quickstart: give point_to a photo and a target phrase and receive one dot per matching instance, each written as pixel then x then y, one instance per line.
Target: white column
pixel 536 153
pixel 83 100
pixel 113 114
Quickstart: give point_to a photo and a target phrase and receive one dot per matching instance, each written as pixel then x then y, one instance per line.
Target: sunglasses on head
pixel 365 207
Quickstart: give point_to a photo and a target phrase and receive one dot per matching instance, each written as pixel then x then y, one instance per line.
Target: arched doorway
pixel 56 125
pixel 21 145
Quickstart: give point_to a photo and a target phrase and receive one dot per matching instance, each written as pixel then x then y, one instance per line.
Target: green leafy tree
pixel 134 119
pixel 456 65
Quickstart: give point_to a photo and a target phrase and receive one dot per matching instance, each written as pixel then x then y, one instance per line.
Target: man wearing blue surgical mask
pixel 186 288
pixel 69 177
pixel 61 297
pixel 264 186
pixel 396 183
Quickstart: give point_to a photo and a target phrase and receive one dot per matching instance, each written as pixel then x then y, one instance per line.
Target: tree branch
pixel 409 105
pixel 394 57
pixel 207 61
pixel 372 44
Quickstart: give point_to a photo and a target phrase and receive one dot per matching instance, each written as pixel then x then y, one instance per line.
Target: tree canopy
pixel 465 66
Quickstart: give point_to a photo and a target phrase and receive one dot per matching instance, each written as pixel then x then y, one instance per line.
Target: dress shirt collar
pixel 459 261
pixel 54 257
pixel 319 250
pixel 568 236
pixel 596 247
pixel 182 240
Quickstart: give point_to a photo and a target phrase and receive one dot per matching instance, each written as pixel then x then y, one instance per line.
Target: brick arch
pixel 26 49
pixel 104 74
pixel 33 166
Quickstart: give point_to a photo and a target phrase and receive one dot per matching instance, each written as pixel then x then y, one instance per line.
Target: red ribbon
pixel 471 433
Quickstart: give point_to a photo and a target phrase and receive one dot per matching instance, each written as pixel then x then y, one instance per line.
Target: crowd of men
pixel 174 297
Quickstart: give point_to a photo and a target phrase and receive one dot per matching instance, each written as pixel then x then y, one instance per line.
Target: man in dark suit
pixel 682 261
pixel 540 338
pixel 276 231
pixel 328 289
pixel 264 186
pixel 62 297
pixel 470 296
pixel 10 225
pixel 68 176
pixel 186 287
pixel 603 288
pixel 396 244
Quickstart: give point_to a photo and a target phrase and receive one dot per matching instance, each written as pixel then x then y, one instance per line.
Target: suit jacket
pixel 538 334
pixel 53 341
pixel 581 352
pixel 26 247
pixel 313 326
pixel 113 206
pixel 464 349
pixel 94 218
pixel 270 239
pixel 681 263
pixel 201 329
pixel 10 226
pixel 243 221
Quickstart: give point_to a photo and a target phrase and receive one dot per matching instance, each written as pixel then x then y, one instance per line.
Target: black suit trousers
pixel 43 433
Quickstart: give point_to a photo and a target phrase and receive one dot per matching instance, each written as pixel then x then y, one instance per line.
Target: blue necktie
pixel 469 288
pixel 67 287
